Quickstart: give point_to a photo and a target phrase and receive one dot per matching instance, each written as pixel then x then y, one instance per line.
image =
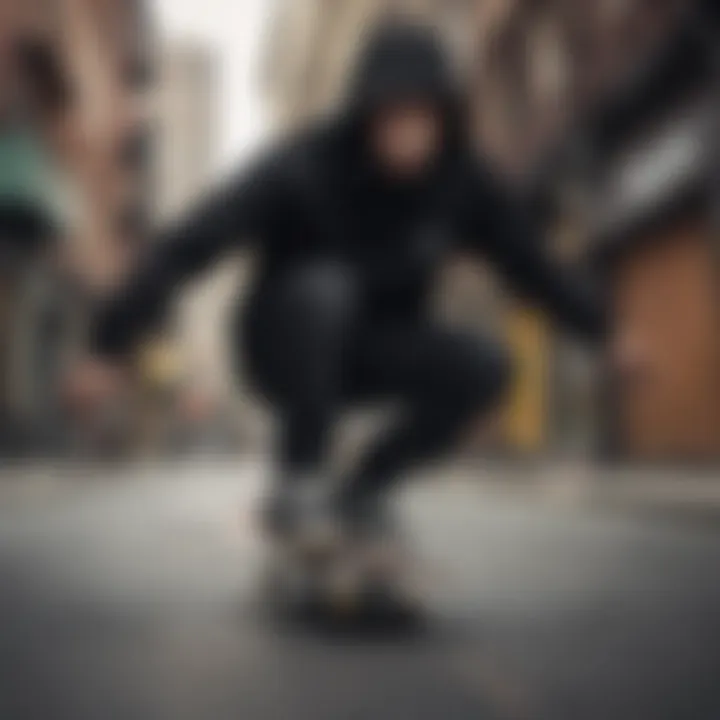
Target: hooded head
pixel 405 101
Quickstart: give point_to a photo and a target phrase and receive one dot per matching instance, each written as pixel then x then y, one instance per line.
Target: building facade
pixel 187 102
pixel 186 109
pixel 652 165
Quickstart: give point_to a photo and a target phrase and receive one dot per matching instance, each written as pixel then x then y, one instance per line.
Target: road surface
pixel 131 595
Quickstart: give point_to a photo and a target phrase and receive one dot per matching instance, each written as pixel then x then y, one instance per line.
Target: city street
pixel 131 594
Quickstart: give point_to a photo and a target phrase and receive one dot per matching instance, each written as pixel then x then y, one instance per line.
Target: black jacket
pixel 317 196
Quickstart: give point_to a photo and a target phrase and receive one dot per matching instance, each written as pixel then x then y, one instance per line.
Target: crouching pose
pixel 351 220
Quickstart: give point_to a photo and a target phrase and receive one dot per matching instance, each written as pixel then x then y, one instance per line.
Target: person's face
pixel 406 139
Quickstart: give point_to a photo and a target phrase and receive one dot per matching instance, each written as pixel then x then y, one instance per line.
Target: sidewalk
pixel 695 494
pixel 675 492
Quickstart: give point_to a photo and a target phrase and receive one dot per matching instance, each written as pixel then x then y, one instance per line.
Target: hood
pixel 402 61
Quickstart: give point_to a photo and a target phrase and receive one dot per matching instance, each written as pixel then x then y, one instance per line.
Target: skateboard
pixel 344 586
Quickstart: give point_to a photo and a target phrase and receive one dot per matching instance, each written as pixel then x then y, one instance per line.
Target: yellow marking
pixel 525 416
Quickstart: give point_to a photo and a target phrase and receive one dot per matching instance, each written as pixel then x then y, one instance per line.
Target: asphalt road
pixel 132 595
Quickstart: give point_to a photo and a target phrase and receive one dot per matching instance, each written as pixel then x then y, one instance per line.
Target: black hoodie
pixel 318 196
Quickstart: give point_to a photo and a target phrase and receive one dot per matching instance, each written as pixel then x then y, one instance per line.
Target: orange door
pixel 666 296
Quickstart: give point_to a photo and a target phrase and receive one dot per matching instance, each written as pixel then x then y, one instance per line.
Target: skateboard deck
pixel 348 586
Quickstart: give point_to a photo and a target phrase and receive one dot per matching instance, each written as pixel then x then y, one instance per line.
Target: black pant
pixel 312 351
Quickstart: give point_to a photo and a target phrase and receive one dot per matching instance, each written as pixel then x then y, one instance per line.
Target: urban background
pixel 603 116
pixel 132 570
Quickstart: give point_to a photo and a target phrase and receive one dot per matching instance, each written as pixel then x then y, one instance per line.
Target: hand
pixel 93 384
pixel 630 357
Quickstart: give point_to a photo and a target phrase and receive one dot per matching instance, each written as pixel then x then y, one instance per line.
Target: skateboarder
pixel 351 220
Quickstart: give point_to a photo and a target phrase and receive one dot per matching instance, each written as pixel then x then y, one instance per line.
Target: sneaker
pixel 372 532
pixel 300 512
pixel 368 518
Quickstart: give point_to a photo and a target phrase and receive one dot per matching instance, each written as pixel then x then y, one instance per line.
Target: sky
pixel 235 30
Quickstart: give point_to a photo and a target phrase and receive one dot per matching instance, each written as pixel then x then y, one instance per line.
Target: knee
pixel 482 374
pixel 322 292
pixel 501 373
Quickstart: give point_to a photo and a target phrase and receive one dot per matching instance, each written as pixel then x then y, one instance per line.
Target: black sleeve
pixel 236 209
pixel 498 228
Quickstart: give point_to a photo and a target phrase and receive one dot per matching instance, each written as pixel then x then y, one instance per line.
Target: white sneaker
pixel 299 511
